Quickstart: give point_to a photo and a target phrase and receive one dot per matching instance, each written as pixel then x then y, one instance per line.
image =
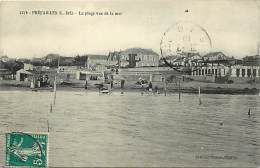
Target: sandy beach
pixel 185 87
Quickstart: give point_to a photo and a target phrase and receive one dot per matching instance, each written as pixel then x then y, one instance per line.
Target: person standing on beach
pixel 150 86
pixel 111 84
pixel 122 84
pixel 86 84
pixel 156 90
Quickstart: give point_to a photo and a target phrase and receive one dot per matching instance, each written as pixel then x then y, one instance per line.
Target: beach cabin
pixel 89 75
pixel 4 73
pixel 23 75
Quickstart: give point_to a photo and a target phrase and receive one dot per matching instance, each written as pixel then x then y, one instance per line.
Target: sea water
pixel 131 129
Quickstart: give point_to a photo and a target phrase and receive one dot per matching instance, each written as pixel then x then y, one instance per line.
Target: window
pixel 68 76
pixel 202 71
pixel 254 72
pixel 216 71
pixel 243 72
pixel 237 72
pixel 199 72
pixel 93 77
pixel 209 71
pixel 212 71
pixel 248 72
pixel 82 76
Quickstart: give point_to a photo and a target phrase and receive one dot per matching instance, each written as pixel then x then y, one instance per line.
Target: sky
pixel 233 26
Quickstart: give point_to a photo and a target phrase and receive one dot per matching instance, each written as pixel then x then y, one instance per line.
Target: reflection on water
pixel 88 129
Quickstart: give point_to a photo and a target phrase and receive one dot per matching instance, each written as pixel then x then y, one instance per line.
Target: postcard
pixel 110 83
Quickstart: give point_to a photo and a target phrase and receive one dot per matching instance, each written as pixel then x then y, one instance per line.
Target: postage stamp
pixel 26 149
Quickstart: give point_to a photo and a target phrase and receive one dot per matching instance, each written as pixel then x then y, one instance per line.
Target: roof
pixel 100 57
pixel 113 55
pixel 217 56
pixel 139 50
pixel 5 72
pixel 24 72
pixel 67 60
pixel 251 60
pixel 253 57
pixel 2 66
pixel 213 54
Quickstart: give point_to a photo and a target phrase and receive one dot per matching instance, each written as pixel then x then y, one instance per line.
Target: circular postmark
pixel 183 44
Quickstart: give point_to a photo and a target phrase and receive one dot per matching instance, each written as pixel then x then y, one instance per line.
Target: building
pixel 27 66
pixel 138 57
pixel 134 57
pixel 213 67
pixel 245 71
pixel 237 73
pixel 251 60
pixel 187 60
pixel 67 61
pixel 215 56
pixel 68 71
pixel 248 70
pixel 41 68
pixel 2 66
pixel 4 73
pixel 37 61
pixel 4 58
pixel 215 70
pixel 97 62
pixel 114 60
pixel 89 75
pixel 219 58
pixel 215 63
pixel 23 75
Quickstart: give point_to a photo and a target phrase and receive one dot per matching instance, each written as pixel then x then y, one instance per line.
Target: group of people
pixel 44 80
pixel 41 81
pixel 148 86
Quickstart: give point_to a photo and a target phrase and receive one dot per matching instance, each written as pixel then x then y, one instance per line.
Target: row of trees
pixel 52 60
pixel 12 66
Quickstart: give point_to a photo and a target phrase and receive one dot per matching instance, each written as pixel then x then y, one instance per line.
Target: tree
pixel 13 66
pixel 81 60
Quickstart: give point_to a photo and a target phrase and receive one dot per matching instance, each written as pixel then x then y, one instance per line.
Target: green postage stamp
pixel 26 149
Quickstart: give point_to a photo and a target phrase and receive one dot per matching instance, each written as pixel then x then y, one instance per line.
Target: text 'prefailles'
pixel 68 13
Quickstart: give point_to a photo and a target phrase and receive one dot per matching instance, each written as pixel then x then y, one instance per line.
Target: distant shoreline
pixel 192 88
